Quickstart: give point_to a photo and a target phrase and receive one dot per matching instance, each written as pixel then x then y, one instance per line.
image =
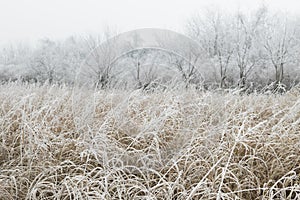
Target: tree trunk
pixel 242 81
pixel 138 74
pixel 51 77
pixel 222 84
pixel 279 73
pixel 279 78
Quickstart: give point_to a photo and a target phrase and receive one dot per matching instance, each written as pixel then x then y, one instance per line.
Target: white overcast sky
pixel 30 20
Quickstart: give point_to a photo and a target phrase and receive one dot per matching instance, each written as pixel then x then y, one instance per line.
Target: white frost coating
pixel 169 46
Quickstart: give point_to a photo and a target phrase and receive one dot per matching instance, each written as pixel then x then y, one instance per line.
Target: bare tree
pixel 97 66
pixel 14 61
pixel 280 45
pixel 46 61
pixel 246 32
pixel 72 54
pixel 213 32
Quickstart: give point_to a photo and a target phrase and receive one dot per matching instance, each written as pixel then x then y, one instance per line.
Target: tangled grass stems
pixel 63 143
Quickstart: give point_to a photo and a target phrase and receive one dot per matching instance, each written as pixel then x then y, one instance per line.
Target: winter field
pixel 63 143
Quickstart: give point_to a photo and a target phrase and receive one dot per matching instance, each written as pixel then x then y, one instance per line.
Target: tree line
pixel 244 50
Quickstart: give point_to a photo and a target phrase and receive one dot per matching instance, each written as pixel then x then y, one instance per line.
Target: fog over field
pixel 153 99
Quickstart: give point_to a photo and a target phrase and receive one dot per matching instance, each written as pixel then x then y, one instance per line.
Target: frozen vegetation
pixel 59 142
pixel 217 50
pixel 213 113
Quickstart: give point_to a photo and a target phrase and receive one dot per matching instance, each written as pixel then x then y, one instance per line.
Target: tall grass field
pixel 66 143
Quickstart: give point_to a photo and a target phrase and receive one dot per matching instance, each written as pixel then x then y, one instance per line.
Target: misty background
pixel 248 44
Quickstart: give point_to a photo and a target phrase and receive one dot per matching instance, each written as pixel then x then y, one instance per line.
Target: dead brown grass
pixel 59 143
